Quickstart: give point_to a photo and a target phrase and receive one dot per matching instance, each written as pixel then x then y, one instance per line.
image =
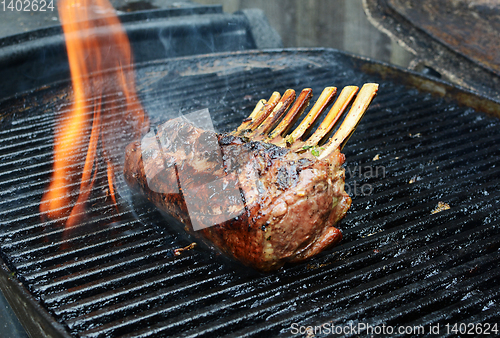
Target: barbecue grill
pixel 422 141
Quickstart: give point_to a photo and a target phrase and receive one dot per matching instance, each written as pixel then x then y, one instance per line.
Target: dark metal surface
pixel 37 321
pixel 398 264
pixel 9 323
pixel 456 38
pixel 469 28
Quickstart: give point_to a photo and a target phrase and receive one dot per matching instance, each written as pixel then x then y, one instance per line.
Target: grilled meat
pixel 263 202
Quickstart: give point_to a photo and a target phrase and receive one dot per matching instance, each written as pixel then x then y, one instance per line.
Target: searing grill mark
pixel 398 262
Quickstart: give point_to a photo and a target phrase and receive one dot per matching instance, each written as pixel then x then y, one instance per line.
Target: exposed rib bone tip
pixel 351 121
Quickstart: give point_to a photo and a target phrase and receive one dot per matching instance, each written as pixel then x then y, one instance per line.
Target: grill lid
pixel 399 264
pixel 458 39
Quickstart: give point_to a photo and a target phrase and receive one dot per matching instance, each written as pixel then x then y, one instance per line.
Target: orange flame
pixel 100 62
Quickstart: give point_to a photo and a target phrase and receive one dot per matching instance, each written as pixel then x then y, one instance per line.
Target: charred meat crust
pixel 291 201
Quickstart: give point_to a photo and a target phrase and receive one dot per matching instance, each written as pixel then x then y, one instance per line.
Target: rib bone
pixel 293 115
pixel 358 109
pixel 323 101
pixel 258 115
pixel 333 116
pixel 273 118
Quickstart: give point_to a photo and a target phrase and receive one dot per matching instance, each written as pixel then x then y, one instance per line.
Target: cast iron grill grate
pixel 398 264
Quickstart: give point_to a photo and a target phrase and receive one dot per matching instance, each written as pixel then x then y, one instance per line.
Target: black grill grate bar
pixel 45 142
pixel 449 225
pixel 378 119
pixel 386 189
pixel 417 176
pixel 438 130
pixel 51 111
pixel 169 292
pixel 36 189
pixel 42 137
pixel 397 103
pixel 421 189
pixel 44 246
pixel 427 203
pixel 466 258
pixel 35 229
pixel 119 327
pixel 41 142
pixel 65 263
pixel 440 162
pixel 107 269
pixel 36 194
pixel 35 152
pixel 357 274
pixel 256 84
pixel 172 287
pixel 486 166
pixel 31 239
pixel 52 261
pixel 225 290
pixel 426 125
pixel 385 268
pixel 99 201
pixel 440 148
pixel 393 230
pixel 441 276
pixel 47 121
pixel 443 140
pixel 92 296
pixel 489 316
pixel 17 163
pixel 21 123
pixel 34 202
pixel 450 221
pixel 458 314
pixel 102 257
pixel 458 310
pixel 443 296
pixel 175 90
pixel 413 210
pixel 197 316
pixel 184 268
pixel 478 152
pixel 232 288
pixel 400 294
pixel 27 180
